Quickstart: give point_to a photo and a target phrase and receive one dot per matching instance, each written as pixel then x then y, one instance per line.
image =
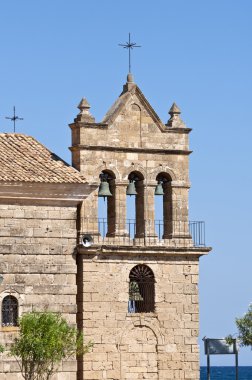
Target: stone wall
pixel 132 139
pixel 121 164
pixel 159 345
pixel 37 260
pixel 133 127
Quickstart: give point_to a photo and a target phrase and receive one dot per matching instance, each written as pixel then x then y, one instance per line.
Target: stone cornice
pixel 182 184
pixel 128 149
pixel 80 124
pixel 44 193
pixel 106 126
pixel 151 251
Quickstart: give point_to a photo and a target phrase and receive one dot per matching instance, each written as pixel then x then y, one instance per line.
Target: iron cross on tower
pixel 130 46
pixel 14 118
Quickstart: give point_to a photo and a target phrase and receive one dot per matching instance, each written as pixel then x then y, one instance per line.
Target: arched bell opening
pixel 135 204
pixel 106 203
pixel 163 206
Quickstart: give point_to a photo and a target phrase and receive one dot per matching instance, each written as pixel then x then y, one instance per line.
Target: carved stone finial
pixel 130 84
pixel 174 109
pixel 175 120
pixel 83 104
pixel 84 114
pixel 130 78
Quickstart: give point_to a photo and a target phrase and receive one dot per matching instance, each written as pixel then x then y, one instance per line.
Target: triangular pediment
pixel 131 96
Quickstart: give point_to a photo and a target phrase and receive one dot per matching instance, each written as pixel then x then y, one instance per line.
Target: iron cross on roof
pixel 130 46
pixel 14 118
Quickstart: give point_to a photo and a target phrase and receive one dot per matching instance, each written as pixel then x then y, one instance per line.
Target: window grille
pixel 141 290
pixel 9 311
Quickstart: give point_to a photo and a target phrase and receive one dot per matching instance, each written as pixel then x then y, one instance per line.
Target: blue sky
pixel 197 53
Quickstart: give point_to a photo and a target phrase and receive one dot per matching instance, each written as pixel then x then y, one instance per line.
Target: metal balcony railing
pixel 197 232
pixel 157 232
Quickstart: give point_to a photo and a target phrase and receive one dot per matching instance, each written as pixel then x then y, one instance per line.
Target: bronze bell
pixel 159 189
pixel 131 189
pixel 104 190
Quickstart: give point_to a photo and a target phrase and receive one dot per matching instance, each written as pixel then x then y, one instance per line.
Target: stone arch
pixel 136 106
pixel 150 322
pixel 136 112
pixel 136 173
pixel 161 169
pixel 135 167
pixel 163 175
pixel 107 178
pixel 141 289
pixel 14 293
pixel 106 167
pixel 139 351
pixel 164 180
pixel 137 180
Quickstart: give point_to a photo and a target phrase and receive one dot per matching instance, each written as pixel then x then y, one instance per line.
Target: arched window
pixel 141 290
pixel 106 205
pixel 136 188
pixel 10 311
pixel 164 225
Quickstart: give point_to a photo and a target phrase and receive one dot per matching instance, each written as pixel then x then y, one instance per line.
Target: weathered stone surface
pixel 161 344
pixel 39 269
pixel 46 268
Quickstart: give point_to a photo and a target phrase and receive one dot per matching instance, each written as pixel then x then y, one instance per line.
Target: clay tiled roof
pixel 22 158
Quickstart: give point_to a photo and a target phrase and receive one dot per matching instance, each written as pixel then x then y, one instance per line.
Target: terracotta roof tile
pixel 22 158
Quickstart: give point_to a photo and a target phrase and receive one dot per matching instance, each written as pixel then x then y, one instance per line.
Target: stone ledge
pixel 9 328
pixel 129 149
pixel 28 193
pixel 142 315
pixel 141 250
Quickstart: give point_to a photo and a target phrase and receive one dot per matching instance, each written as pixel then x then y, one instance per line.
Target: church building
pixel 131 285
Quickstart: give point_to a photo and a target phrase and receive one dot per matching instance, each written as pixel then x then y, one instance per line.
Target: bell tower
pixel 137 279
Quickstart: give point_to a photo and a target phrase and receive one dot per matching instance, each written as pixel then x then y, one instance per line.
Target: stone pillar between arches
pixel 140 210
pixel 150 231
pixel 168 211
pixel 89 216
pixel 180 212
